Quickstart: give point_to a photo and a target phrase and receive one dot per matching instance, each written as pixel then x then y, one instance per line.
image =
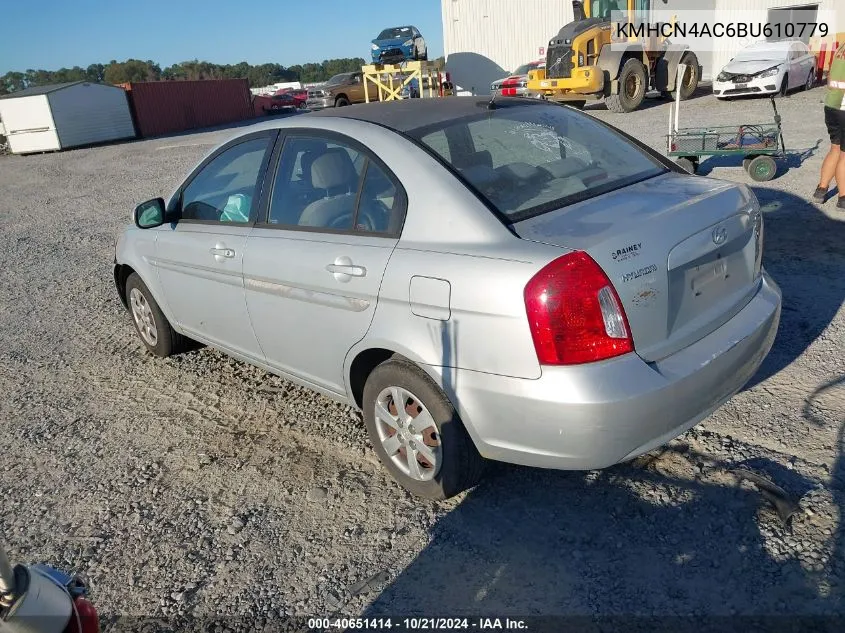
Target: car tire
pixel 811 80
pixel 153 328
pixel 626 101
pixel 784 87
pixel 457 465
pixel 341 101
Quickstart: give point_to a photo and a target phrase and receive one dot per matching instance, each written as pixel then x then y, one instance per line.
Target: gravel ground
pixel 199 486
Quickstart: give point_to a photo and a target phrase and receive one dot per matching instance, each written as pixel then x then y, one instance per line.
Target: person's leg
pixel 840 165
pixel 829 167
pixel 832 121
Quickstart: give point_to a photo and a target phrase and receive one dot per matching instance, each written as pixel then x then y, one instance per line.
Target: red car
pixel 515 84
pixel 289 99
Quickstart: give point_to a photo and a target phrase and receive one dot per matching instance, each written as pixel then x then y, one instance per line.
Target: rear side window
pixel 326 184
pixel 528 159
pixel 225 190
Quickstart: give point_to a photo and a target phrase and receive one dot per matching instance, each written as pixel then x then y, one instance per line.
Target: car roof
pixel 409 114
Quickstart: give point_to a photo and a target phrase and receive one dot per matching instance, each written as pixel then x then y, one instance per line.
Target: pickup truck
pixel 341 90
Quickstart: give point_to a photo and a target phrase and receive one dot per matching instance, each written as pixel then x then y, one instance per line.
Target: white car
pixel 767 68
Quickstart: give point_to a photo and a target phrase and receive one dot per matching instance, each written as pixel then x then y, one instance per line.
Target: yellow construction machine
pixel 593 57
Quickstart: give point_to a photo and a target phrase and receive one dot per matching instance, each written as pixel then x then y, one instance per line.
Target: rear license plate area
pixel 711 273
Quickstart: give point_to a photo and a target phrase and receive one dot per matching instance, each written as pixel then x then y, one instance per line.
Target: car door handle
pixel 223 252
pixel 347 269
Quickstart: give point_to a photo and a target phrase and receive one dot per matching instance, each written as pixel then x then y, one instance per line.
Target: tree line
pixel 137 70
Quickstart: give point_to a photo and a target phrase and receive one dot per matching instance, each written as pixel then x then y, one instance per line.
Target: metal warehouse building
pixel 486 39
pixel 59 116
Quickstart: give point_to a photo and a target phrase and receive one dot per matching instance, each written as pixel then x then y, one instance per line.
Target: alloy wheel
pixel 143 316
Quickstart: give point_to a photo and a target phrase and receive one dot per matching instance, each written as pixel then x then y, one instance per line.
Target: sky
pixel 56 33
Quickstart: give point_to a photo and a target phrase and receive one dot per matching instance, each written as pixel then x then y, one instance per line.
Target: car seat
pixel 335 173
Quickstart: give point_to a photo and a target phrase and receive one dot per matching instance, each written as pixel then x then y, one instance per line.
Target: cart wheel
pixel 746 162
pixel 687 164
pixel 762 168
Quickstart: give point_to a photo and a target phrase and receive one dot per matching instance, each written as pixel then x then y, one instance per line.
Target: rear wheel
pixel 687 164
pixel 417 433
pixel 762 168
pixel 632 88
pixel 746 162
pixel 811 79
pixel 152 326
pixel 689 84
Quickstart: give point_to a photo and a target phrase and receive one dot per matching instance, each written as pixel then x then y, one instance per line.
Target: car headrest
pixel 333 169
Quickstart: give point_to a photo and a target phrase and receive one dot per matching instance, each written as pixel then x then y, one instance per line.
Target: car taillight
pixel 574 313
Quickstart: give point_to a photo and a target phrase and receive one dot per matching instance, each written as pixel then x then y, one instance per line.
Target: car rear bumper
pixel 593 416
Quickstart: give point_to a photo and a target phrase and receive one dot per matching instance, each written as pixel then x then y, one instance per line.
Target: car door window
pixel 326 184
pixel 225 190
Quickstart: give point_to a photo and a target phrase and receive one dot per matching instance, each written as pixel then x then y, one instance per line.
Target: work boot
pixel 819 194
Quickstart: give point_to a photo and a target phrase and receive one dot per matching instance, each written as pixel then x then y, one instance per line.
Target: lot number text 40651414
pixel 416 624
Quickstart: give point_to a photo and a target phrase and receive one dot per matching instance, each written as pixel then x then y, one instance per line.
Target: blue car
pixel 399 44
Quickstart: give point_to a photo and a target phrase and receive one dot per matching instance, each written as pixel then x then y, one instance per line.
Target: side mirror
pixel 149 214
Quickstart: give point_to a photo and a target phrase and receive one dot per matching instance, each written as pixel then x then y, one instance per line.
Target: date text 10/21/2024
pixel 415 624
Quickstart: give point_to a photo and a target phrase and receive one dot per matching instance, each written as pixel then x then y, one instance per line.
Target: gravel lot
pixel 199 486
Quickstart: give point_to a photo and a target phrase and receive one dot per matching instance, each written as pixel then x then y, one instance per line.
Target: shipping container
pixel 166 107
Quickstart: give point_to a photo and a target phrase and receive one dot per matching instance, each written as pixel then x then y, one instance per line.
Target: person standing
pixel 833 167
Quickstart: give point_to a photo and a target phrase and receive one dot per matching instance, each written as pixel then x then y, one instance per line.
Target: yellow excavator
pixel 593 58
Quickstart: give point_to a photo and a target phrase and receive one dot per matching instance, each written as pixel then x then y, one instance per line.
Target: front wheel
pixel 632 88
pixel 341 101
pixel 417 434
pixel 156 333
pixel 762 168
pixel 784 87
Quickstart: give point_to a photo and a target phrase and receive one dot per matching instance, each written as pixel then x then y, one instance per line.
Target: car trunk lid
pixel 681 251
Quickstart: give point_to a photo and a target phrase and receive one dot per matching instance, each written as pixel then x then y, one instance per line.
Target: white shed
pixel 59 116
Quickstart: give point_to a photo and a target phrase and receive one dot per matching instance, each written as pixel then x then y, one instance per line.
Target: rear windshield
pixel 528 159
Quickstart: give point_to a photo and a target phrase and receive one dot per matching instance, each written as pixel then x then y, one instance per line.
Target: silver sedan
pixel 509 280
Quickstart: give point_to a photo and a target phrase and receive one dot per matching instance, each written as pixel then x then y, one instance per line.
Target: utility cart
pixel 759 143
